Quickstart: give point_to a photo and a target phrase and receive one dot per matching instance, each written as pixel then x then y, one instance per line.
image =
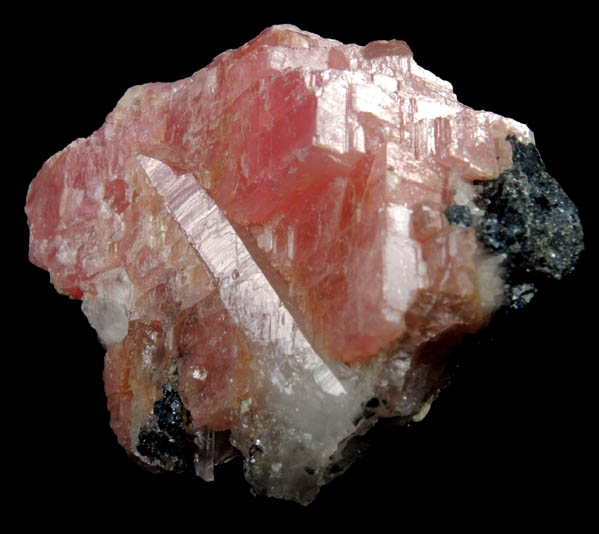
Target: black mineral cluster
pixel 529 218
pixel 164 438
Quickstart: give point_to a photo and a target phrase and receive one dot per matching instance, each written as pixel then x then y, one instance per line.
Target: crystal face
pixel 281 249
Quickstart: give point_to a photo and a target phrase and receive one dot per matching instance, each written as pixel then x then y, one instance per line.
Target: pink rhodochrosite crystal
pixel 281 249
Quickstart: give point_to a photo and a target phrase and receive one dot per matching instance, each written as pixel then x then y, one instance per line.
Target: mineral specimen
pixel 282 249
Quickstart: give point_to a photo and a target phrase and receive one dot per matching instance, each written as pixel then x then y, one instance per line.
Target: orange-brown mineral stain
pixel 213 364
pixel 134 371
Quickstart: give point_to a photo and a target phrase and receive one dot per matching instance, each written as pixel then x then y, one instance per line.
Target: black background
pixel 507 443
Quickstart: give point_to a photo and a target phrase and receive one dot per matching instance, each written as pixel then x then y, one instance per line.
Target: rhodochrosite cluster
pixel 281 249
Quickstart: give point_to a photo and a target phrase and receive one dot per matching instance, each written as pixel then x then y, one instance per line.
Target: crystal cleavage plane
pixel 283 248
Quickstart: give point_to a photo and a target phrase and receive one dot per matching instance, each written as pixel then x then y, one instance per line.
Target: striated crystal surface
pixel 282 248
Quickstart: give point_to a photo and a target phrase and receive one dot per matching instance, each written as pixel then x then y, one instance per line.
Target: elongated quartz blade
pixel 246 293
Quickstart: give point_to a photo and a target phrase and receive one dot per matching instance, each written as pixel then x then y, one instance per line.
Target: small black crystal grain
pixel 459 215
pixel 373 403
pixel 156 444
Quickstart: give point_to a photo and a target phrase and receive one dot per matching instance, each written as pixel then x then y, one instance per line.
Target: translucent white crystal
pixel 108 317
